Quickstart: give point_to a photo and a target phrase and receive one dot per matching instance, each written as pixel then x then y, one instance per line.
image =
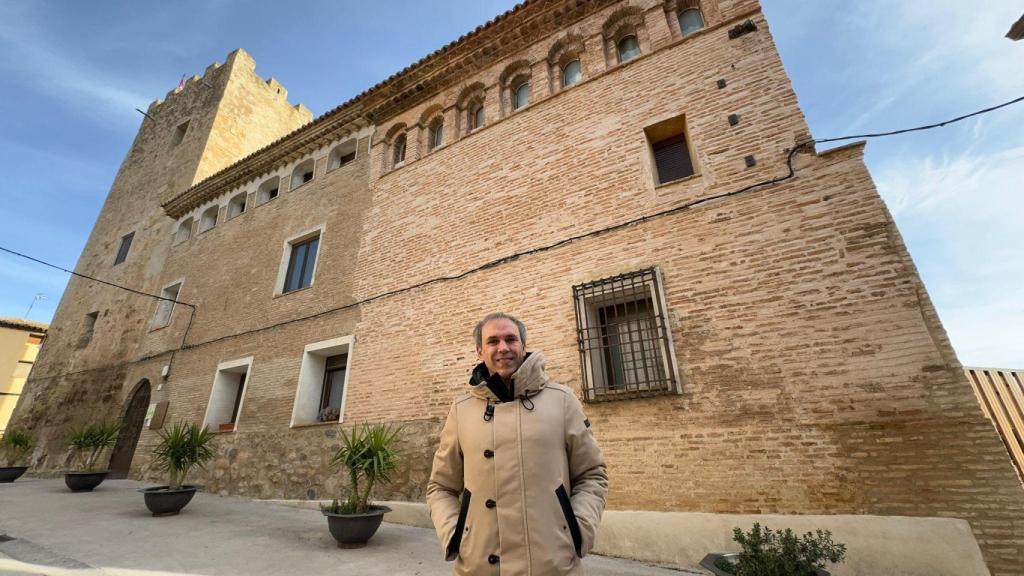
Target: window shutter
pixel 672 158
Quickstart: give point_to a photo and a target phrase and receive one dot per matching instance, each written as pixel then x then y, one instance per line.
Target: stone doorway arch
pixel 131 426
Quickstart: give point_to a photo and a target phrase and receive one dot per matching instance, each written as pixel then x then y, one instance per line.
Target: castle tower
pixel 201 127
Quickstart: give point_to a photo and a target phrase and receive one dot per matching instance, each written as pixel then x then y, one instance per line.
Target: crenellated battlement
pixel 237 60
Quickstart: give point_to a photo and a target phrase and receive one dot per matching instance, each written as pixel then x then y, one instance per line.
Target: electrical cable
pixel 791 172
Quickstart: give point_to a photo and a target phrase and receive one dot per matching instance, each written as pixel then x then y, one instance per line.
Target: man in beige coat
pixel 518 484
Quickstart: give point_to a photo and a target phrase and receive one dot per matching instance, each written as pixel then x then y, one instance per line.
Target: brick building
pixel 768 352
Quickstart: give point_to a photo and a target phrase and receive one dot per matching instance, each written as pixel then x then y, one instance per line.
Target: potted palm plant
pixel 183 447
pixel 14 444
pixel 88 442
pixel 369 455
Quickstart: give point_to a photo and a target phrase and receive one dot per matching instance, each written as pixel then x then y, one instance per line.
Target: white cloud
pixel 25 54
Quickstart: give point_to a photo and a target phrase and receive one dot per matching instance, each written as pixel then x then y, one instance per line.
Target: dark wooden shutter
pixel 672 158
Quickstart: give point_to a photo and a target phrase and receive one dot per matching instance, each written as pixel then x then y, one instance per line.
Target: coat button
pixel 488 453
pixel 490 503
pixel 493 559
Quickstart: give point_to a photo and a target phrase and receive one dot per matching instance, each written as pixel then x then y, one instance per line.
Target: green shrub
pixel 782 553
pixel 369 454
pixel 89 440
pixel 181 448
pixel 14 444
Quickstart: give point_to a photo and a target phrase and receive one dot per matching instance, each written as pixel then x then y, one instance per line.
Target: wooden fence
pixel 1001 396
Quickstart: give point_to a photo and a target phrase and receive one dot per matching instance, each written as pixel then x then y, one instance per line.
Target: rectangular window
pixel 122 250
pixel 323 380
pixel 89 328
pixel 165 308
pixel 228 395
pixel 624 339
pixel 334 385
pixel 670 150
pixel 301 264
pixel 179 133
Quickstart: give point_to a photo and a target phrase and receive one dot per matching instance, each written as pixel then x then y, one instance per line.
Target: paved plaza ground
pixel 46 529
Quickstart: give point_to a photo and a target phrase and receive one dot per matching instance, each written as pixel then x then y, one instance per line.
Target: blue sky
pixel 72 73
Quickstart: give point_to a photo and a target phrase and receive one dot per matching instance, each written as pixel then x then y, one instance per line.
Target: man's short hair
pixel 479 329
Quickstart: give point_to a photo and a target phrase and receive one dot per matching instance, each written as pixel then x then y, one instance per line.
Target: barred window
pixel 624 340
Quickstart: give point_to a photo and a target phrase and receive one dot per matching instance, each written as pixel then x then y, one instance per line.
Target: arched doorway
pixel 131 427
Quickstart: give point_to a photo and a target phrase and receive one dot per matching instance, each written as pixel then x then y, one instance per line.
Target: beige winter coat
pixel 518 487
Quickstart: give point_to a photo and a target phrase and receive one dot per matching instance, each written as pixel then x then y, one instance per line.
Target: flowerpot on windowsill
pixel 226 427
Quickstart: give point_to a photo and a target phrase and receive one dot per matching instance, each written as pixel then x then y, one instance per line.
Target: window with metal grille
pixel 122 250
pixel 624 339
pixel 301 264
pixel 670 149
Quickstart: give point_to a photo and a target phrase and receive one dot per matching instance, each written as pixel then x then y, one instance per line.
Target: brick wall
pixel 816 377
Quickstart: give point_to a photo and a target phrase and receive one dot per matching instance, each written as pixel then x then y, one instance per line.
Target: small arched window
pixel 209 218
pixel 436 134
pixel 521 95
pixel 236 205
pixel 476 116
pixel 184 231
pixel 398 152
pixel 302 173
pixel 342 154
pixel 571 73
pixel 690 21
pixel 268 190
pixel 628 48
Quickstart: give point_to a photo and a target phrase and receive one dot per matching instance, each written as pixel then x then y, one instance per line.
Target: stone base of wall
pixel 876 545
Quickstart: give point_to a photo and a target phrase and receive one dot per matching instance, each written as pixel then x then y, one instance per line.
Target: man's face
pixel 501 350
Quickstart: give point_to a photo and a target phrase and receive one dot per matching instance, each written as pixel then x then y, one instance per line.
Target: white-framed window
pixel 184 230
pixel 624 338
pixel 342 154
pixel 298 262
pixel 690 21
pixel 227 396
pixel 302 173
pixel 268 190
pixel 209 218
pixel 323 382
pixel 165 307
pixel 236 206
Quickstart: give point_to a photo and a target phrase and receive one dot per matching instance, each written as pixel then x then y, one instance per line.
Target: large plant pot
pixel 709 563
pixel 162 501
pixel 354 530
pixel 11 473
pixel 84 481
